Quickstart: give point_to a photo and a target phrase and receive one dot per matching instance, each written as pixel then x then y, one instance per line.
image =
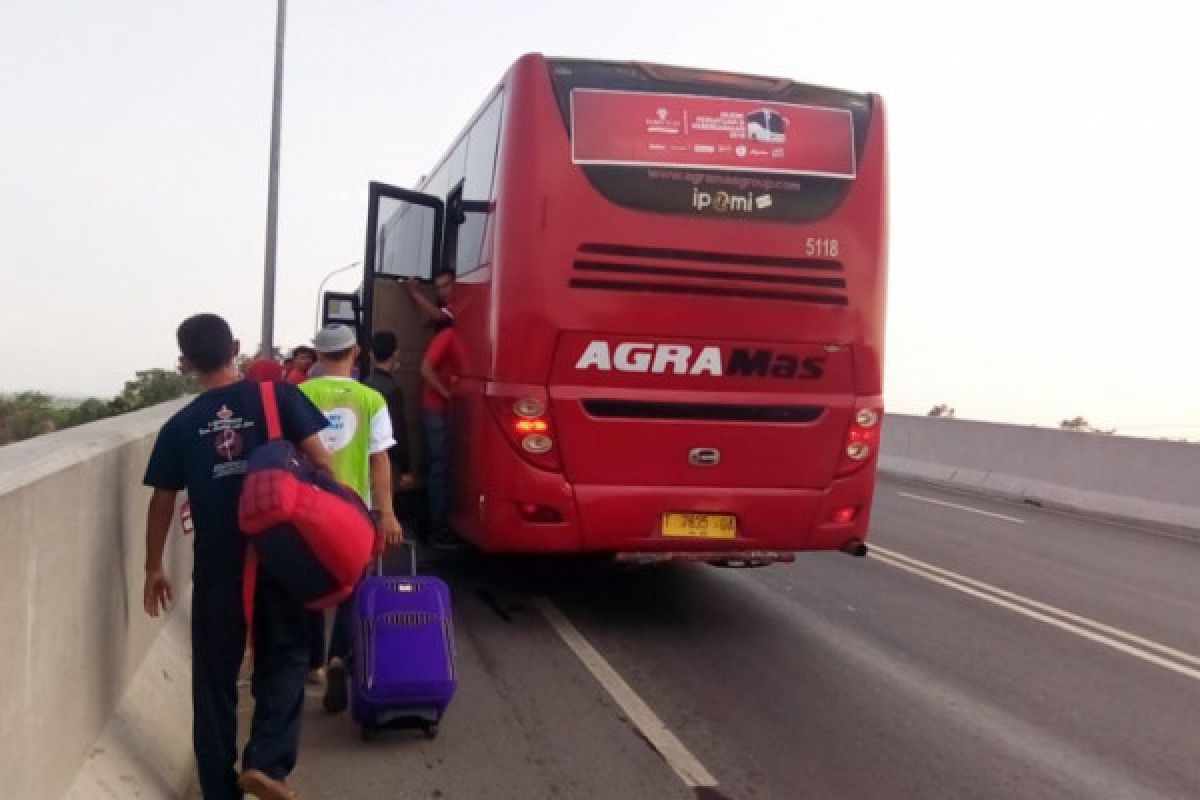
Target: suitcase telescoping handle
pixel 411 547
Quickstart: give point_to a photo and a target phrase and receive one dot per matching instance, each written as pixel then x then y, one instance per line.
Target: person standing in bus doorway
pixel 439 370
pixel 203 448
pixel 443 289
pixel 358 438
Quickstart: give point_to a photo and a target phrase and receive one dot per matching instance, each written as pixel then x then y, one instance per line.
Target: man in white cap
pixel 358 438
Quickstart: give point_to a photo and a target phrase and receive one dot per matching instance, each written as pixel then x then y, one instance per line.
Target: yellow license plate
pixel 700 526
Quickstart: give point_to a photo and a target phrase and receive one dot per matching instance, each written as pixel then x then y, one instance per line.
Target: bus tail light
pixel 862 439
pixel 543 515
pixel 526 422
pixel 844 515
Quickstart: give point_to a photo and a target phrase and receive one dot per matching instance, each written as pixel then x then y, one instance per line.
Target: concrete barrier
pixel 94 701
pixel 1140 479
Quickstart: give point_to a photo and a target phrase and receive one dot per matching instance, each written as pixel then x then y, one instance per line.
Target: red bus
pixel 669 297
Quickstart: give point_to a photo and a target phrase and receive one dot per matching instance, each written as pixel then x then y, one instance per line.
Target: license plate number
pixel 700 526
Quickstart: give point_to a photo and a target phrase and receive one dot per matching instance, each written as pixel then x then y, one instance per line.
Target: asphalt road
pixel 1014 653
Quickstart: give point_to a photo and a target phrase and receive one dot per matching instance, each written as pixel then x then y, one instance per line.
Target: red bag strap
pixel 270 406
pixel 270 409
pixel 249 587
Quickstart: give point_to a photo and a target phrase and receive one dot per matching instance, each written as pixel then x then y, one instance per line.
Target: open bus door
pixel 404 241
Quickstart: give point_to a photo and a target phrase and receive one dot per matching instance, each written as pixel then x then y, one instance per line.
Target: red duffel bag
pixel 311 533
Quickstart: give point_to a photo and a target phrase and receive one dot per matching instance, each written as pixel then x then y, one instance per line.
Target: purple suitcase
pixel 403 665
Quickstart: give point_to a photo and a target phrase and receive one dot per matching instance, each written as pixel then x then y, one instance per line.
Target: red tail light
pixel 846 515
pixel 532 512
pixel 523 416
pixel 527 426
pixel 862 439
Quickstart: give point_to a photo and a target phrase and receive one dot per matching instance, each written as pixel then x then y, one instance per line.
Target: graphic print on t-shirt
pixel 343 424
pixel 229 444
pixel 228 441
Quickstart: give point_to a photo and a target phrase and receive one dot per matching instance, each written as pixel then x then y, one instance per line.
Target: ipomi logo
pixel 723 202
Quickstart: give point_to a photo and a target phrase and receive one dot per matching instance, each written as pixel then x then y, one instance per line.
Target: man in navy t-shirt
pixel 203 448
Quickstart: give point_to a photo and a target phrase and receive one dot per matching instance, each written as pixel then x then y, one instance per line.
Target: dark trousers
pixel 316 639
pixel 339 640
pixel 436 480
pixel 280 662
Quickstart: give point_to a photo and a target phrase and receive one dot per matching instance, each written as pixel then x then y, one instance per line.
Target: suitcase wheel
pixel 368 733
pixel 431 730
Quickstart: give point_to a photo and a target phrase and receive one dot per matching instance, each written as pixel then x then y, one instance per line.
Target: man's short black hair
pixel 206 341
pixel 383 345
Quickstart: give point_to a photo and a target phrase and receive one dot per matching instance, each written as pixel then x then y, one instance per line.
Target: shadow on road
pixel 679 598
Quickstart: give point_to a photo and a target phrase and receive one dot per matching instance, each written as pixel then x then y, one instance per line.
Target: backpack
pixel 310 533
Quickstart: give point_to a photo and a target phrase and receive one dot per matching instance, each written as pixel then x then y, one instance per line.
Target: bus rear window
pixel 752 148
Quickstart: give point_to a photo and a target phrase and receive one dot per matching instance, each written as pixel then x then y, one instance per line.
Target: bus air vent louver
pixel 724 412
pixel 630 268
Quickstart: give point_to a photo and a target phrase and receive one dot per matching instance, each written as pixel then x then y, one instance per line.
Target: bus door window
pixel 404 241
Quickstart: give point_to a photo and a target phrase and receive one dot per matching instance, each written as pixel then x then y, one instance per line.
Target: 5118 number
pixel 819 247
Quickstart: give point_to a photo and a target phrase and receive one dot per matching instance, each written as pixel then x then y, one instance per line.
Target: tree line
pixel 27 414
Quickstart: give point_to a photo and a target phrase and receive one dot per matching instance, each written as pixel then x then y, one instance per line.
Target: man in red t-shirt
pixel 439 369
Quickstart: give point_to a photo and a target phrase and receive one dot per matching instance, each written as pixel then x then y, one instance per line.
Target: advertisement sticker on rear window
pixel 686 131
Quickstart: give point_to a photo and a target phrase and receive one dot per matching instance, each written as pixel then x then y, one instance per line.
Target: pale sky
pixel 1045 173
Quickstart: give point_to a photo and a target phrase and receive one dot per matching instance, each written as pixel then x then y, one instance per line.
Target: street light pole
pixel 268 313
pixel 321 288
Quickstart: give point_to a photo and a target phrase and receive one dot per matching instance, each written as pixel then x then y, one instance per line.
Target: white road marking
pixel 936 502
pixel 686 766
pixel 1013 602
pixel 1149 644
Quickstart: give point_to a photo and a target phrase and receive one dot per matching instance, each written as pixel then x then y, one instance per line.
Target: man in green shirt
pixel 358 438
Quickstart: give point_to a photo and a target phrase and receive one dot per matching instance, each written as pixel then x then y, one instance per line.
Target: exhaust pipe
pixel 856 548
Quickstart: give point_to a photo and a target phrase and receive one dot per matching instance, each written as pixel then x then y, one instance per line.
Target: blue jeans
pixel 436 444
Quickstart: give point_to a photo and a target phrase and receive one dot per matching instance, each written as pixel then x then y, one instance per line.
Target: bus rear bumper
pixel 627 520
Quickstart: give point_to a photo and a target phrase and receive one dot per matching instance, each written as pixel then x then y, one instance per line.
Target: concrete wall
pixel 1136 478
pixel 75 637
